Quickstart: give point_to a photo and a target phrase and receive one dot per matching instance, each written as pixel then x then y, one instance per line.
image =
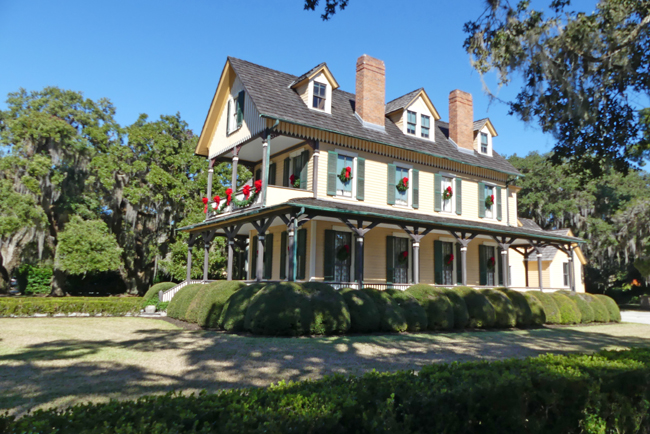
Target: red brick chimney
pixel 461 119
pixel 370 104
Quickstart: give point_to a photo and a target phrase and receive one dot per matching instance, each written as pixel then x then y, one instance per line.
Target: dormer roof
pixel 478 126
pixel 322 67
pixel 405 101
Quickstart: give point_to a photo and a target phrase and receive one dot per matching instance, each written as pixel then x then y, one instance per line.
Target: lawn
pixel 60 361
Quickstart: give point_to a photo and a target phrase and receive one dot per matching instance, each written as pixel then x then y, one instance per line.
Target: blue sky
pixel 162 57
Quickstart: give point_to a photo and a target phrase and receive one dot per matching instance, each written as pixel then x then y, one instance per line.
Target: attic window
pixel 484 143
pixel 320 90
pixel 411 121
pixel 424 126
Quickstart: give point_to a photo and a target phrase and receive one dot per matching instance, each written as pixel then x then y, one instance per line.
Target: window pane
pixel 425 121
pixel 401 197
pixel 319 103
pixel 425 132
pixel 484 138
pixel 344 188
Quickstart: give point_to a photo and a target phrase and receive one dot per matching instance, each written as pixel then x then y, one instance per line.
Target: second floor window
pixel 490 210
pixel 402 195
pixel 424 127
pixel 447 200
pixel 484 143
pixel 343 187
pixel 411 121
pixel 319 96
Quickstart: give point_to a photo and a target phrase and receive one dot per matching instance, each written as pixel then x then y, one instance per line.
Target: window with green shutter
pixel 285 171
pixel 498 204
pixel 361 178
pixel 499 266
pixel 415 188
pixel 459 266
pixel 482 264
pixel 390 259
pixel 241 98
pixel 283 254
pixel 459 196
pixel 328 256
pixel 481 200
pixel 272 174
pixel 332 162
pixel 253 249
pixel 301 254
pixel 437 192
pixel 229 117
pixel 268 256
pixel 391 184
pixel 437 262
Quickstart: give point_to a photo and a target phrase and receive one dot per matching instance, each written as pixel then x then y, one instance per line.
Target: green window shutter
pixel 391 184
pixel 459 195
pixel 304 166
pixel 285 172
pixel 437 262
pixel 332 160
pixel 283 255
pixel 361 178
pixel 253 248
pixel 437 192
pixel 482 265
pixel 240 108
pixel 268 256
pixel 228 118
pixel 500 265
pixel 328 257
pixel 416 188
pixel 390 257
pixel 272 174
pixel 481 200
pixel 301 255
pixel 499 213
pixel 459 266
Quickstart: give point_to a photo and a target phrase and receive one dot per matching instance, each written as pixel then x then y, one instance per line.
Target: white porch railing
pixel 167 296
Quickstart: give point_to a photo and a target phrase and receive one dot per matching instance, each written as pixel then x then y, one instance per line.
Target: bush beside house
pixel 438 308
pixel 364 315
pixel 550 306
pixel 480 310
pixel 504 311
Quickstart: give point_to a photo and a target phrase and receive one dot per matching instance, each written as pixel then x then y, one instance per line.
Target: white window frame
pixel 485 131
pixel 328 94
pixel 566 276
pixel 421 126
pixel 492 210
pixel 409 191
pixel 406 123
pixel 453 189
pixel 354 156
pixel 324 98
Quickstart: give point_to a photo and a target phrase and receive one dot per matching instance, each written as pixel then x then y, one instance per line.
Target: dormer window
pixel 320 91
pixel 424 126
pixel 411 122
pixel 484 143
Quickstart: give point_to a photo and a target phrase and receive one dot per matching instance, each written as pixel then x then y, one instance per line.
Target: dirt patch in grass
pixel 61 361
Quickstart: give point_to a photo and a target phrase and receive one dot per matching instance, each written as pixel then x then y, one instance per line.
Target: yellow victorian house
pixel 354 191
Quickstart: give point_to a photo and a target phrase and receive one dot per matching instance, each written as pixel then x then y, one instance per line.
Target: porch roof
pixel 335 208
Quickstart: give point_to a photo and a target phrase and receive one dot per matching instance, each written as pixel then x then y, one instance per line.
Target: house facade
pixel 354 191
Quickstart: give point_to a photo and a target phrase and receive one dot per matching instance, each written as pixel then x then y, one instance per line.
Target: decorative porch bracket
pixel 525 253
pixel 207 236
pixel 190 243
pixel 568 250
pixel 537 245
pixel 416 236
pixel 231 233
pixel 261 226
pixel 463 238
pixel 504 242
pixel 293 222
pixel 360 232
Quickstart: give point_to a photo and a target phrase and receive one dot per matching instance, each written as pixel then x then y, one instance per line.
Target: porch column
pixel 463 264
pixel 235 160
pixel 266 138
pixel 416 262
pixel 539 269
pixel 260 257
pixel 463 238
pixel 504 267
pixel 231 233
pixel 572 279
pixel 209 190
pixel 291 241
pixel 314 182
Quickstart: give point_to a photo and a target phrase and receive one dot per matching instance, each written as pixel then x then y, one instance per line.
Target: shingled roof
pixel 402 101
pixel 271 93
pixel 480 124
pixel 308 73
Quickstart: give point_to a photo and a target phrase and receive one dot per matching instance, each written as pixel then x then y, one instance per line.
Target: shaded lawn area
pixel 48 362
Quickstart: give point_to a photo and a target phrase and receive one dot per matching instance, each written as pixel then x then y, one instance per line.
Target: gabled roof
pixel 273 97
pixel 406 100
pixel 313 72
pixel 478 125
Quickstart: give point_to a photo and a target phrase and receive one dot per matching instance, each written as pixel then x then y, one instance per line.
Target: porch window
pixel 484 143
pixel 424 126
pixel 344 188
pixel 411 121
pixel 402 196
pixel 565 273
pixel 398 259
pixel 295 170
pixel 319 96
pixel 337 259
pixel 488 265
pixel 446 261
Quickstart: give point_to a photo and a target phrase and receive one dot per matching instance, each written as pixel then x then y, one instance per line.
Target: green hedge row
pixel 604 393
pixel 28 306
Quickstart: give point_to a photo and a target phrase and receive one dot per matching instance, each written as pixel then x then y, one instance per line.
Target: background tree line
pixel 95 203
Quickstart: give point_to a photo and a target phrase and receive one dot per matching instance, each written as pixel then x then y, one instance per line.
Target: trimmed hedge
pixel 612 307
pixel 179 304
pixel 28 306
pixel 480 310
pixel 586 312
pixel 439 310
pixel 505 314
pixel 391 315
pixel 601 314
pixel 414 313
pixel 461 315
pixel 364 314
pixel 152 292
pixel 208 303
pixel 233 313
pixel 279 309
pixel 569 312
pixel 521 305
pixel 603 393
pixel 550 306
pixel 330 313
pixel 538 316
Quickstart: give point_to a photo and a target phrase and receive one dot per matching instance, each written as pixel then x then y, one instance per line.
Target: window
pixel 319 96
pixel 295 170
pixel 424 127
pixel 337 257
pixel 402 197
pixel 344 188
pixel 565 273
pixel 401 258
pixel 484 143
pixel 446 184
pixel 448 263
pixel 490 256
pixel 489 210
pixel 411 121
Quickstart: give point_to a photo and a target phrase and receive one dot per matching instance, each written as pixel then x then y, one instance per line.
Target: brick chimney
pixel 370 104
pixel 461 119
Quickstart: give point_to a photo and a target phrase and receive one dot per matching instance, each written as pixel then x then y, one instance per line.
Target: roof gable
pixel 404 101
pixel 321 68
pixel 478 126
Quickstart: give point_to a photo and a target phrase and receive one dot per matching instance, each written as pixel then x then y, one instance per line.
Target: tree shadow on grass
pixel 151 361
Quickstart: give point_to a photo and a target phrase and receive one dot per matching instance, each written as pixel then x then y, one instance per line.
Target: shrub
pixel 586 312
pixel 461 315
pixel 330 313
pixel 38 280
pixel 569 312
pixel 538 316
pixel 551 308
pixel 439 310
pixel 414 313
pixel 602 393
pixel 601 314
pixel 28 306
pixel 179 304
pixel 505 314
pixel 208 303
pixel 152 292
pixel 521 305
pixel 233 313
pixel 480 310
pixel 364 315
pixel 279 309
pixel 612 307
pixel 391 315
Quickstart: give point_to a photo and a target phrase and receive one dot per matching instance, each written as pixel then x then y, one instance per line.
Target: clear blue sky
pixel 162 57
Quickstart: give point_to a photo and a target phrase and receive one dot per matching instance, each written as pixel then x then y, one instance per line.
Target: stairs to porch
pixel 166 296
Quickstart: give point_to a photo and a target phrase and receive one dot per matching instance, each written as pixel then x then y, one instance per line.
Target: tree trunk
pixel 58 283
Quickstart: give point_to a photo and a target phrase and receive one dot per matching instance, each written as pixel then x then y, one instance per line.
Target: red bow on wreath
pixel 292 179
pixel 405 254
pixel 228 195
pixel 216 199
pixel 258 186
pixel 246 190
pixel 347 171
pixel 492 197
pixel 450 258
pixel 405 180
pixel 449 189
pixel 205 202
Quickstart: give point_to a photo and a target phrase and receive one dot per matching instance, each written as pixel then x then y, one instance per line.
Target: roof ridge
pixel 407 93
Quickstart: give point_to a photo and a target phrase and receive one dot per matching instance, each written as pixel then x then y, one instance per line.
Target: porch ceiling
pixel 251 151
